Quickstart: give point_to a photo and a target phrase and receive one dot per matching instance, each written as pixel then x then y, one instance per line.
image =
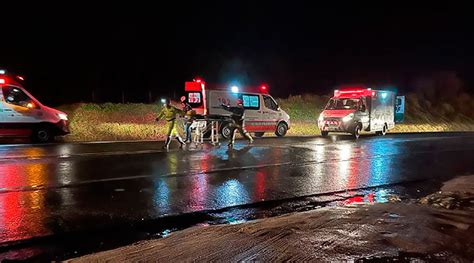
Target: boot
pixel 167 143
pixel 181 143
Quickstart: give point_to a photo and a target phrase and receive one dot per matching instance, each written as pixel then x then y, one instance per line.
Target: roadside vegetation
pixel 111 121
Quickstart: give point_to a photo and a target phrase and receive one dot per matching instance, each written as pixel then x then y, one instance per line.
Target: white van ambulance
pixel 21 115
pixel 262 113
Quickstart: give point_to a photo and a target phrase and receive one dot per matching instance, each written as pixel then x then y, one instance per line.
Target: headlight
pixel 321 117
pixel 62 116
pixel 348 117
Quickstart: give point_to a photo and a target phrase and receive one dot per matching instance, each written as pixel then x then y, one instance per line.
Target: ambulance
pixel 22 115
pixel 359 109
pixel 262 112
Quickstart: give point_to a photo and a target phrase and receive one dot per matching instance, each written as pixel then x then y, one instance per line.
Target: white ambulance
pixel 262 113
pixel 21 115
pixel 359 109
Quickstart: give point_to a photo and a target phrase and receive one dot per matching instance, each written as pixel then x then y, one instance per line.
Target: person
pixel 188 119
pixel 169 112
pixel 238 117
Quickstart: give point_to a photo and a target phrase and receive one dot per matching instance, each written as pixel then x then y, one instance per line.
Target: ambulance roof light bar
pixel 3 72
pixel 354 92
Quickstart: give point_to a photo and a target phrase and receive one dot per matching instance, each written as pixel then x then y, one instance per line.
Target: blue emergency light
pixel 163 101
pixel 234 89
pixel 2 72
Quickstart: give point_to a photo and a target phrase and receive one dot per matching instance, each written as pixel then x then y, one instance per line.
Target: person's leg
pixel 174 132
pixel 232 135
pixel 188 132
pixel 168 134
pixel 245 134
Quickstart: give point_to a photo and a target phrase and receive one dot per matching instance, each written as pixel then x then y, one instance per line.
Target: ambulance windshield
pixel 342 104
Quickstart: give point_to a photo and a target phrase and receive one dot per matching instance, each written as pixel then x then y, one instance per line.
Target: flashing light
pixel 163 101
pixel 198 80
pixel 383 95
pixel 234 89
pixel 62 116
pixel 20 78
pixel 30 105
pixel 263 88
pixel 2 81
pixel 2 72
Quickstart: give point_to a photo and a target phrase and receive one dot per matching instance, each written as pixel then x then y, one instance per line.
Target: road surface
pixel 61 188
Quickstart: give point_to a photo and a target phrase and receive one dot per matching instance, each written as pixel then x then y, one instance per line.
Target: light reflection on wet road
pixel 65 187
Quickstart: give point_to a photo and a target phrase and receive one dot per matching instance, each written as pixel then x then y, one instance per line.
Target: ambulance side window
pixel 270 103
pixel 15 96
pixel 251 102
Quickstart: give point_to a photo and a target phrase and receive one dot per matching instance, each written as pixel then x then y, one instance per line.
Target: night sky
pixel 296 47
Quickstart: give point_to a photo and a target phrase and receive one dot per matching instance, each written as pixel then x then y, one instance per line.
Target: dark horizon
pixel 295 49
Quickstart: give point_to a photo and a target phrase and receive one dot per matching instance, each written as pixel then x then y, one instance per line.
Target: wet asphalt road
pixel 58 188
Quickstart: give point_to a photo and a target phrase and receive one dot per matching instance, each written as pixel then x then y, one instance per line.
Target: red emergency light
pixel 193 86
pixel 198 80
pixel 263 88
pixel 3 81
pixel 354 92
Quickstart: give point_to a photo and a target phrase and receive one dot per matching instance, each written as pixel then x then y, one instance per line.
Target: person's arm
pixel 180 112
pixel 160 114
pixel 233 110
pixel 226 107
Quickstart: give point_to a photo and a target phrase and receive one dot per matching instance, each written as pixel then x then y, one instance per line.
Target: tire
pixel 281 129
pixel 259 134
pixel 324 133
pixel 226 131
pixel 383 131
pixel 42 134
pixel 356 132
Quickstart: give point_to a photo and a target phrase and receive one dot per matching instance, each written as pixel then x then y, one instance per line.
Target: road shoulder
pixel 439 226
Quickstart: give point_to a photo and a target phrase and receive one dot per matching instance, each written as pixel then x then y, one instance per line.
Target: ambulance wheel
pixel 356 133
pixel 259 134
pixel 226 131
pixel 281 130
pixel 324 133
pixel 42 134
pixel 383 131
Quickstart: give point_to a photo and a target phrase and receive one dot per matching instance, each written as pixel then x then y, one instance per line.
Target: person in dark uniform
pixel 238 117
pixel 188 119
